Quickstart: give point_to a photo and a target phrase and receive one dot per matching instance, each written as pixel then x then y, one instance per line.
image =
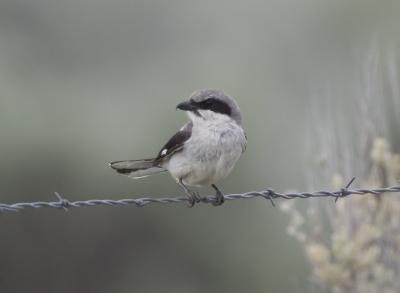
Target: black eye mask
pixel 214 105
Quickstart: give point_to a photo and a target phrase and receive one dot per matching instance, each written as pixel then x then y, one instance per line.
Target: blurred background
pixel 86 82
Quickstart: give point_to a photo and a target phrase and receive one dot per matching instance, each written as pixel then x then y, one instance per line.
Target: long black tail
pixel 137 168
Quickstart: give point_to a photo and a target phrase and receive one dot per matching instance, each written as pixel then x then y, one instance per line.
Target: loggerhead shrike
pixel 203 151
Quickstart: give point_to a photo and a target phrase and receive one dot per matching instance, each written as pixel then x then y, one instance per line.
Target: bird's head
pixel 211 105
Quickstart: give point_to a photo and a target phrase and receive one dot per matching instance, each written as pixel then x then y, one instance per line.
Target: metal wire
pixel 269 194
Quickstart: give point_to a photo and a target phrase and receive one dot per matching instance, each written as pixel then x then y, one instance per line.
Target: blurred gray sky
pixel 86 82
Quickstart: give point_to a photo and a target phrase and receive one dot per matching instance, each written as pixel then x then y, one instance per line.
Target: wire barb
pixel 268 194
pixel 62 202
pixel 344 190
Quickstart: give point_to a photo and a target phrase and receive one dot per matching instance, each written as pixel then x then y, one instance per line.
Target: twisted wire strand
pixel 269 194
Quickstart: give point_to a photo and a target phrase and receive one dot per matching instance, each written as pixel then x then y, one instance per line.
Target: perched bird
pixel 203 151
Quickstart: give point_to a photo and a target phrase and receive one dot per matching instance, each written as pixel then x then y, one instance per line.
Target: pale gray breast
pixel 213 158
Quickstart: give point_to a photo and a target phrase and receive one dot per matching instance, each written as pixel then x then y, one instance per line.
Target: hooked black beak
pixel 188 106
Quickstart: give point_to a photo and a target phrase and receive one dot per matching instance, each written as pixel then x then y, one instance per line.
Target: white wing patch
pixel 176 142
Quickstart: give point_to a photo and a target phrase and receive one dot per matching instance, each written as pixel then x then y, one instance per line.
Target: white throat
pixel 209 117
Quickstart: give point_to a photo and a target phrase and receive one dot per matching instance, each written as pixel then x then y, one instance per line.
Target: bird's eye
pixel 208 103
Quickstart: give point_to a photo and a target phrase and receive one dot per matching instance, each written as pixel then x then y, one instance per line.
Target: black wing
pixel 176 142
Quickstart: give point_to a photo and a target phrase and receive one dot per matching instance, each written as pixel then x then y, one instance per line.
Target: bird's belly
pixel 203 166
pixel 204 174
pixel 208 156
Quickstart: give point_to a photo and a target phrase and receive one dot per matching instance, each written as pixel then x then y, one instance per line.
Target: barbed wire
pixel 269 194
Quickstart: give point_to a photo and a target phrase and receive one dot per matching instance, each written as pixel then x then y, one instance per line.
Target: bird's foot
pixel 193 197
pixel 219 196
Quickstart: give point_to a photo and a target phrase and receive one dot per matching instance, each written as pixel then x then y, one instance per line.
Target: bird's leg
pixel 219 196
pixel 193 197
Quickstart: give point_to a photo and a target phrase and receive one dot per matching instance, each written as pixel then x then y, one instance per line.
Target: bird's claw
pixel 219 199
pixel 191 202
pixel 219 196
pixel 193 198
